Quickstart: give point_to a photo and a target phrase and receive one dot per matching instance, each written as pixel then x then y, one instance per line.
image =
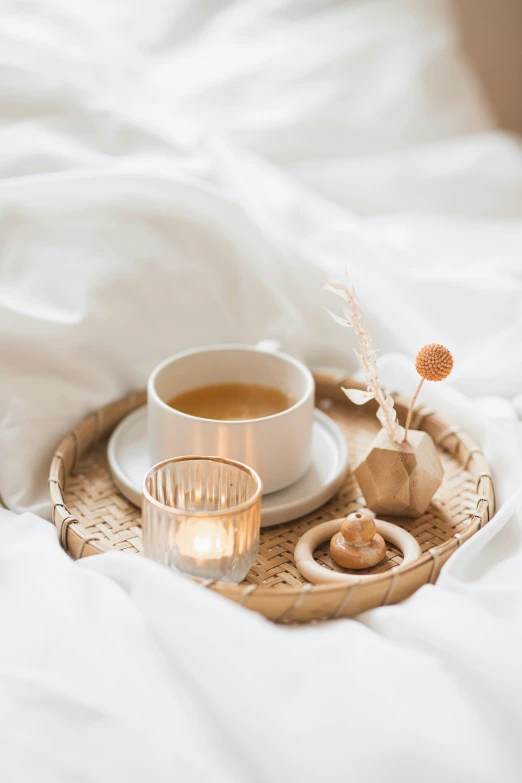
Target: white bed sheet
pixel 183 173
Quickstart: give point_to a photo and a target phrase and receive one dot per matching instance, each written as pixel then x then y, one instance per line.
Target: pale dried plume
pixel 367 356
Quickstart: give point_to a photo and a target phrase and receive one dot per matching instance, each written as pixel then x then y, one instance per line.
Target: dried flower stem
pixel 372 381
pixel 410 409
pixel 367 357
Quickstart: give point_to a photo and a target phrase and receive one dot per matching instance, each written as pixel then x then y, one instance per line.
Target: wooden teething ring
pixel 318 574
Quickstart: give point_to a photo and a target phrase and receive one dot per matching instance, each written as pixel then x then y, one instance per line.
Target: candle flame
pixel 203 538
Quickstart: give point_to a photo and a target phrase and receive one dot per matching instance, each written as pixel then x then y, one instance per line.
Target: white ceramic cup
pixel 278 447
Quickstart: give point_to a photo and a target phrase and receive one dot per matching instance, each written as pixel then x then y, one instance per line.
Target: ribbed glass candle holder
pixel 201 516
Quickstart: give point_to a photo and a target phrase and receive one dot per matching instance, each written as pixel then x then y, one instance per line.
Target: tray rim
pixel 309 602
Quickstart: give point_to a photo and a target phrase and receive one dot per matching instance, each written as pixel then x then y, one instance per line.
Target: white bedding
pixel 175 174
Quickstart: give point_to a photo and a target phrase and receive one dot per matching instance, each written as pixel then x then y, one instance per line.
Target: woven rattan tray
pixel 92 516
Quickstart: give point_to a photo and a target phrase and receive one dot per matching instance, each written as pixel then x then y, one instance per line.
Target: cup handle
pixel 268 346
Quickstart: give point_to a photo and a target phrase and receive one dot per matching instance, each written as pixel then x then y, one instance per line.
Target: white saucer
pixel 129 461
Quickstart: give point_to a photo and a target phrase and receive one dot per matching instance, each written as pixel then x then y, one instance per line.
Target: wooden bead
pixel 358 528
pixel 357 557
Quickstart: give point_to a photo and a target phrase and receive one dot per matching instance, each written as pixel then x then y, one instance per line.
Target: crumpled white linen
pixel 182 174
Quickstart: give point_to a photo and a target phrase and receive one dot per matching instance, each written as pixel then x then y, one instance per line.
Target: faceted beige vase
pixel 400 478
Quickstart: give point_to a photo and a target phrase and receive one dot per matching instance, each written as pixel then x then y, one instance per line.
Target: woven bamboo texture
pixel 92 516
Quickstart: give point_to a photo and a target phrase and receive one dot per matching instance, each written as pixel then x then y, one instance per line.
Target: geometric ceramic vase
pixel 400 478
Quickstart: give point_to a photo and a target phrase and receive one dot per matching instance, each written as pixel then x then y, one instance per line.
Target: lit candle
pixel 203 539
pixel 201 516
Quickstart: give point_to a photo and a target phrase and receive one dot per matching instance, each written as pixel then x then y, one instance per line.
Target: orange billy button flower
pixel 433 363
